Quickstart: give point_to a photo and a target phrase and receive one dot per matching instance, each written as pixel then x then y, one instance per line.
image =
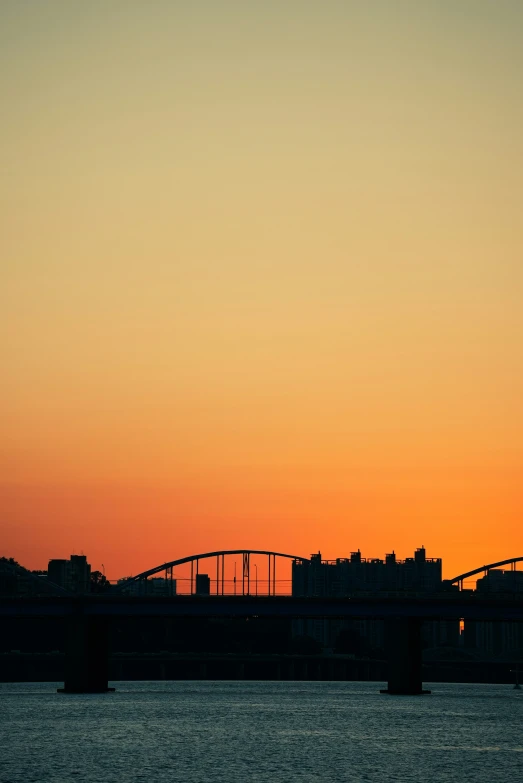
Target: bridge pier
pixel 403 642
pixel 86 655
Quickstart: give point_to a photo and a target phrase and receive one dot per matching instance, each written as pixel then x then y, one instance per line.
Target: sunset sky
pixel 261 279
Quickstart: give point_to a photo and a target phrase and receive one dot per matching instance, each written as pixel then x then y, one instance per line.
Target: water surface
pixel 260 731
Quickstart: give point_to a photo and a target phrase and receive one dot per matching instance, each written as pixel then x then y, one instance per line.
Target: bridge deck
pixel 442 607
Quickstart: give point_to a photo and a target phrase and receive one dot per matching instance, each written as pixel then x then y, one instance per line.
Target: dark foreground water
pixel 260 731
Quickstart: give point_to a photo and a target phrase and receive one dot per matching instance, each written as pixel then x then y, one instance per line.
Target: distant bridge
pixel 220 556
pixel 246 572
pixel 484 569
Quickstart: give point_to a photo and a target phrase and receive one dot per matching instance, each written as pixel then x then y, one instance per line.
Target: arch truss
pixel 484 569
pixel 246 584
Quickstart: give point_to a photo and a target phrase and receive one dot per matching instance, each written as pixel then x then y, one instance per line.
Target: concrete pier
pixel 86 655
pixel 403 640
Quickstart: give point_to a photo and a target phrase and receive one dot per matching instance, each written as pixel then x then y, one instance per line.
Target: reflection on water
pixel 260 731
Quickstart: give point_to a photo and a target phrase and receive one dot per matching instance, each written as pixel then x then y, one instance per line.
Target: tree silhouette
pixel 99 582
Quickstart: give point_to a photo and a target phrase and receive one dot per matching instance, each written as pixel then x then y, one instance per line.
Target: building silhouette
pixel 500 638
pixel 19 581
pixel 154 586
pixel 203 584
pixel 348 575
pixel 353 575
pixel 73 575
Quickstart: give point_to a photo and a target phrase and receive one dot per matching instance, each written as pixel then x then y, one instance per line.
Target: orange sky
pixel 261 280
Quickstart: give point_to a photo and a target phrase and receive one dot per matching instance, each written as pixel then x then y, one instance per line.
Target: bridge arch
pixel 484 569
pixel 220 556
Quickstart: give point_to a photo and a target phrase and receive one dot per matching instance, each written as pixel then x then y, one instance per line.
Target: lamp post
pixel 235 577
pixel 256 572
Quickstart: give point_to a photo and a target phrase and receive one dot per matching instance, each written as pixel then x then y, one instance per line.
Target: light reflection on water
pixel 260 731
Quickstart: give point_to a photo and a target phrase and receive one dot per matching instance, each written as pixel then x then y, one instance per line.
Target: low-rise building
pixel 154 586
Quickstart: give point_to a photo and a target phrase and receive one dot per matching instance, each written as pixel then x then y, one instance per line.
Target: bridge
pixel 167 569
pixel 484 569
pixel 88 617
pixel 441 606
pixel 220 559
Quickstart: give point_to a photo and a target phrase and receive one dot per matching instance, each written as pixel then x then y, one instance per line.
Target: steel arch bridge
pixel 220 556
pixel 484 569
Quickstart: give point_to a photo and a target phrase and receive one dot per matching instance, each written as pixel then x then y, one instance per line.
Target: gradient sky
pixel 262 276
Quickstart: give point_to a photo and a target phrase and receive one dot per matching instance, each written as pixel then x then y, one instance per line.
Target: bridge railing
pixel 282 587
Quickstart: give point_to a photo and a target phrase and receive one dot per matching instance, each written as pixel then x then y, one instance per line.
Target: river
pixel 271 732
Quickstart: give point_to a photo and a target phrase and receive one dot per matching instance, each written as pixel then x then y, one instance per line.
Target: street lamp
pixel 256 571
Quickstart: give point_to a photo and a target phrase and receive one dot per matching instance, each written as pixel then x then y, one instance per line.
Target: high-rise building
pixel 348 576
pixel 73 574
